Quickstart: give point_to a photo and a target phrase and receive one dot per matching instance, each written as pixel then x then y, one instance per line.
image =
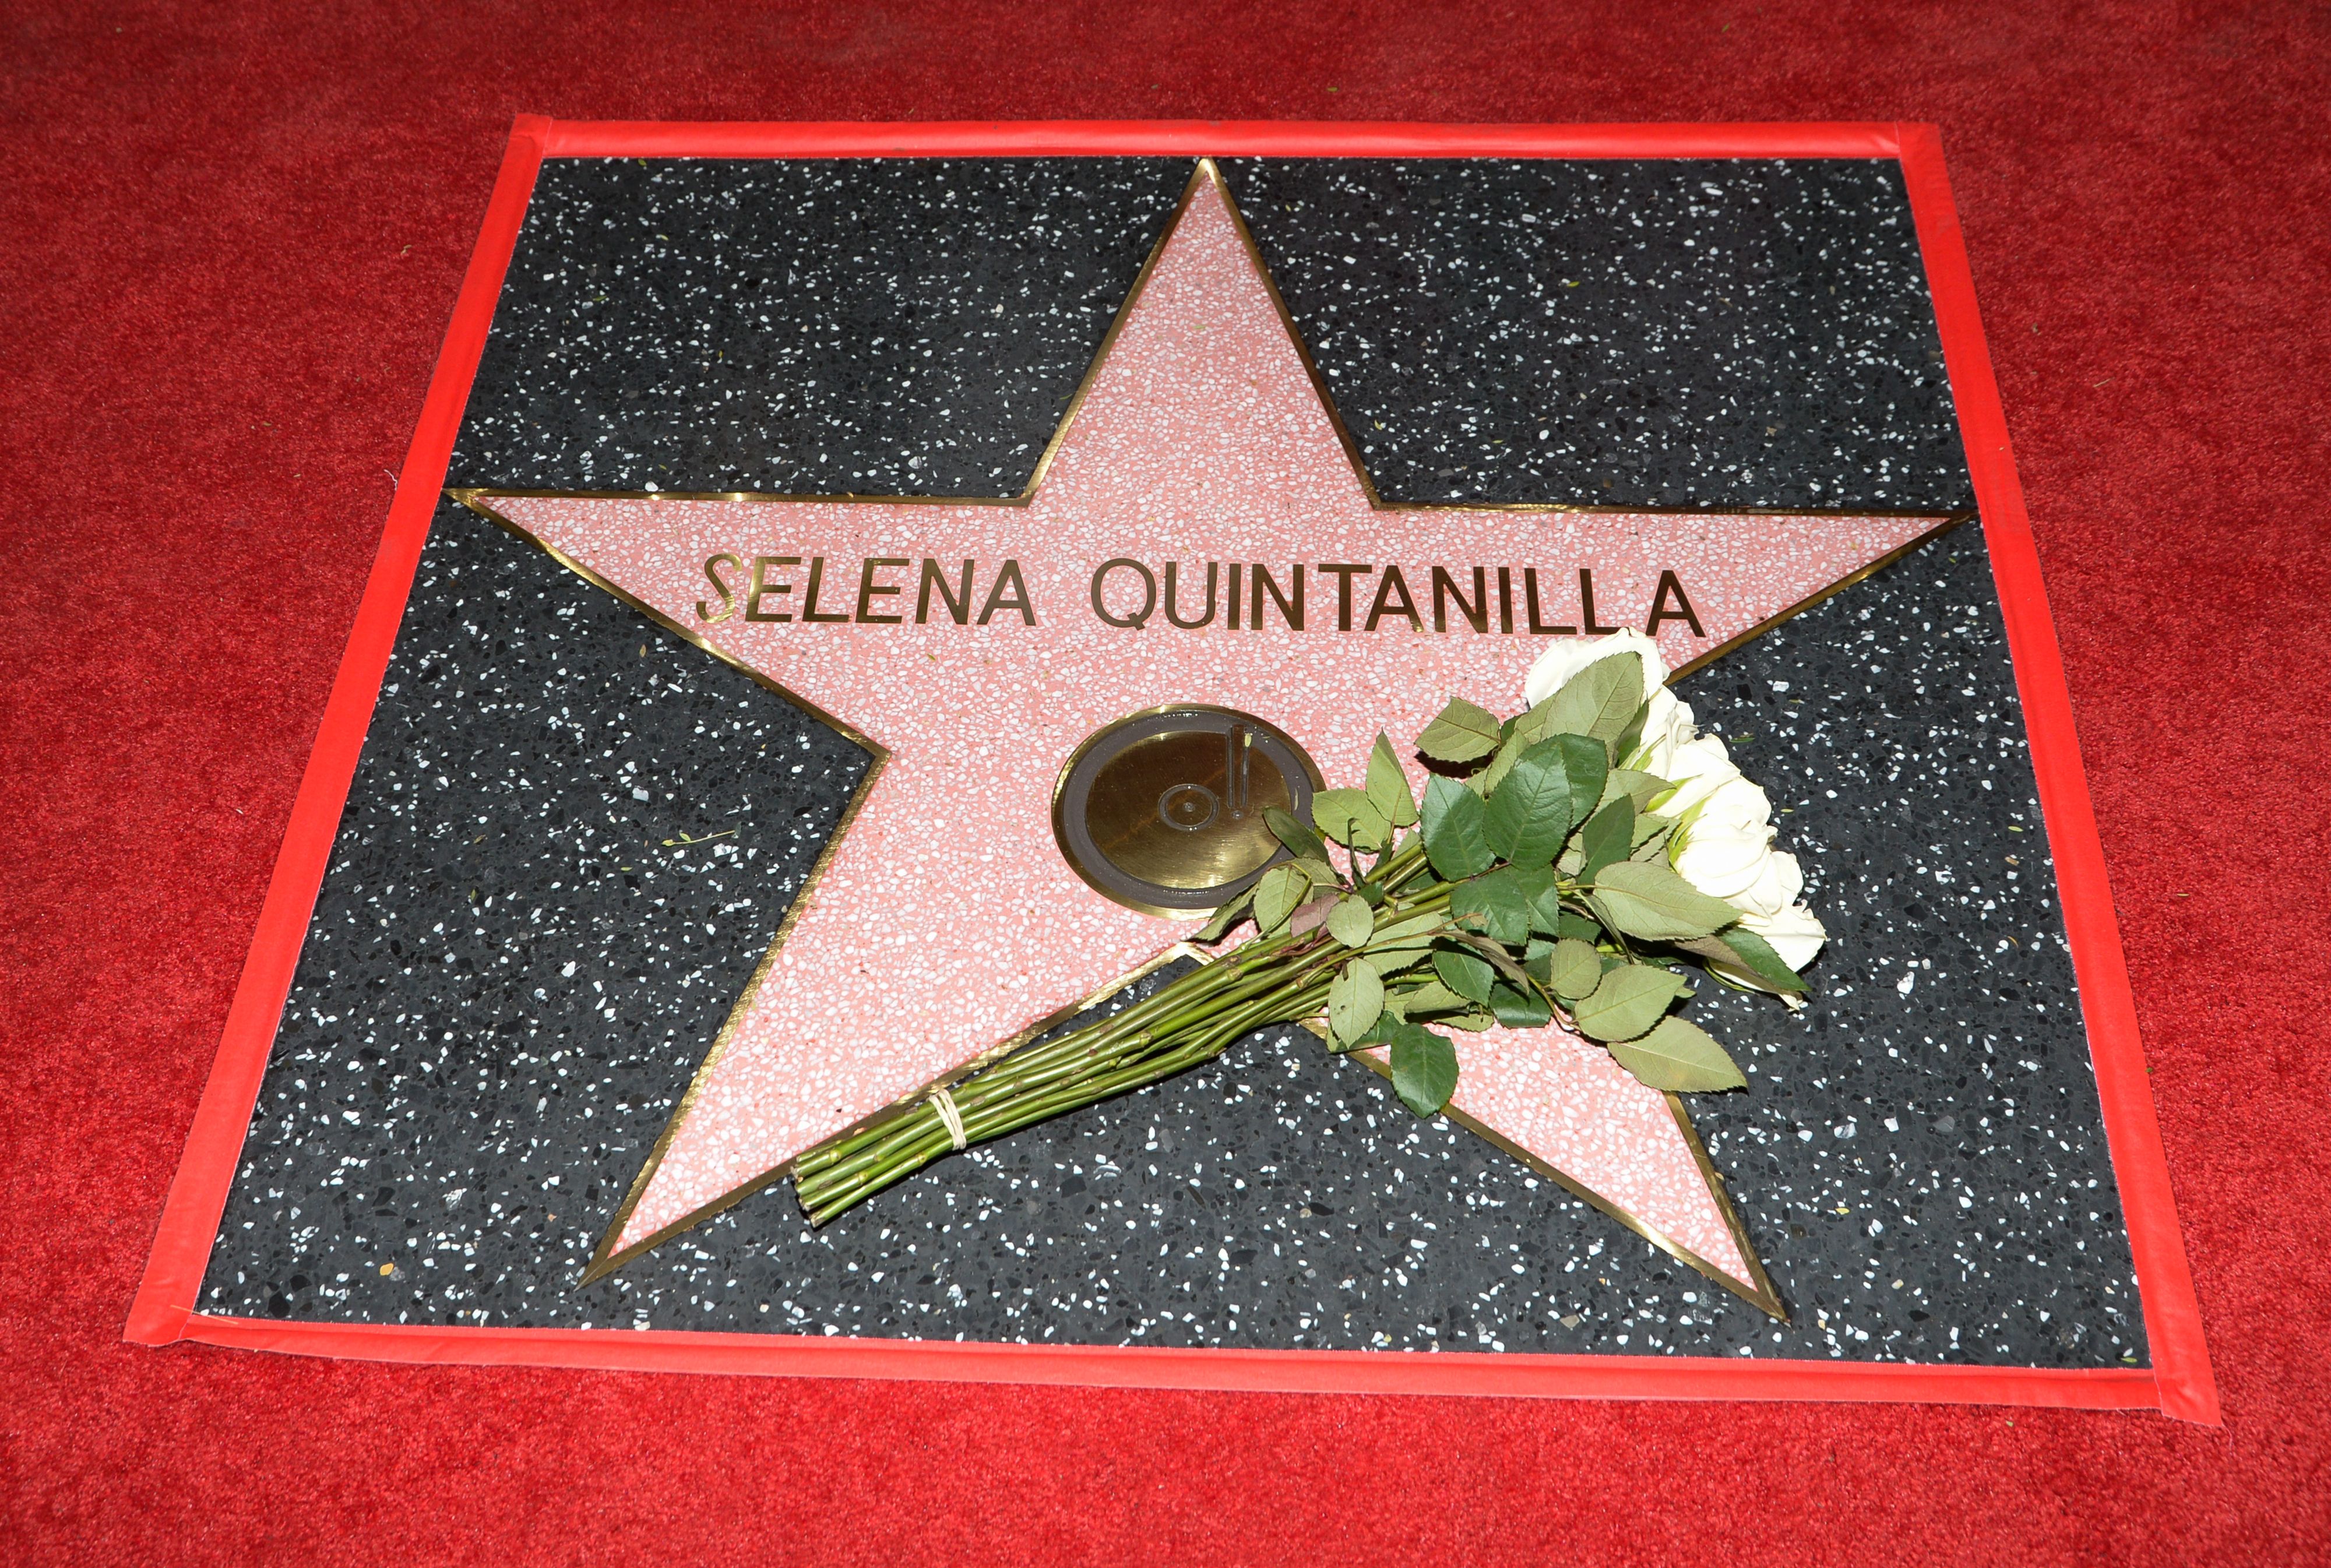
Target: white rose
pixel 1558 663
pixel 1698 766
pixel 1667 725
pixel 1727 850
pixel 1667 728
pixel 1794 934
pixel 1726 847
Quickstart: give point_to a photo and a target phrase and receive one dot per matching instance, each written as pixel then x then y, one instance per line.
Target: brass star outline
pixel 1758 1290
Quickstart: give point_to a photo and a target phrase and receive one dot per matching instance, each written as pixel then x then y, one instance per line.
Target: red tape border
pixel 2179 1381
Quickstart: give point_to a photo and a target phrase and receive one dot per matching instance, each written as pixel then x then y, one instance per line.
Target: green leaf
pixel 1649 826
pixel 1583 760
pixel 1679 1057
pixel 1607 836
pixel 1744 950
pixel 1388 961
pixel 1382 1032
pixel 1574 970
pixel 1579 928
pixel 1536 805
pixel 1645 898
pixel 1529 808
pixel 1432 996
pixel 1642 788
pixel 1542 893
pixel 1467 973
pixel 1404 942
pixel 1472 1022
pixel 1499 958
pixel 1355 1002
pixel 1531 727
pixel 1349 817
pixel 1485 783
pixel 1413 926
pixel 1453 839
pixel 1351 921
pixel 1519 1009
pixel 1462 733
pixel 1228 916
pixel 1624 743
pixel 1599 701
pixel 1628 1001
pixel 1321 873
pixel 1387 788
pixel 1493 905
pixel 1296 834
pixel 1424 1069
pixel 1758 957
pixel 1276 896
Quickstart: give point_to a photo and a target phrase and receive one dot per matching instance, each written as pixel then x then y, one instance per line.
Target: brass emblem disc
pixel 1162 810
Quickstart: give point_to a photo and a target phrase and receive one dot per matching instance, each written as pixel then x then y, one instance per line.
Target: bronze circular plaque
pixel 1163 811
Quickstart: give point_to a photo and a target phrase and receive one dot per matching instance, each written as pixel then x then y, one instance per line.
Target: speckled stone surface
pixel 867 326
pixel 1635 332
pixel 513 954
pixel 1283 1197
pixel 1920 1155
pixel 1279 1198
pixel 1202 439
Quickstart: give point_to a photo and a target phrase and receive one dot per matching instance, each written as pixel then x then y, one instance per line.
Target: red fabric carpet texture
pixel 233 244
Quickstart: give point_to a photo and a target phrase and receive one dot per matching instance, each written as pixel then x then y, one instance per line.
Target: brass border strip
pixel 1766 1297
pixel 601 1263
pixel 1733 644
pixel 1109 341
pixel 1294 334
pixel 1757 1292
pixel 604 1262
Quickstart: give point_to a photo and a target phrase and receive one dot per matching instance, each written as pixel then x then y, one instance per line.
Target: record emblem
pixel 1163 811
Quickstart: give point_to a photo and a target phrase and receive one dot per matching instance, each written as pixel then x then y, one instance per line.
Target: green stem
pixel 1190 1020
pixel 1006 1099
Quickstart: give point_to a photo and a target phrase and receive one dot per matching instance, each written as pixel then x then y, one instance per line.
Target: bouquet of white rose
pixel 1723 845
pixel 1565 862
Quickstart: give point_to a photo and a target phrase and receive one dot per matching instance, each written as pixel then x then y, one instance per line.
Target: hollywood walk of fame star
pixel 944 923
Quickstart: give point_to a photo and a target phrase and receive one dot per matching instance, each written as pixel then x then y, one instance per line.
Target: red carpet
pixel 234 240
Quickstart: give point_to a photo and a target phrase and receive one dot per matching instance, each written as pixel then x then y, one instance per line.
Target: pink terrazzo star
pixel 945 920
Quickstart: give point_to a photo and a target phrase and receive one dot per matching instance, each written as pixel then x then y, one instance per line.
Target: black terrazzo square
pixel 572 835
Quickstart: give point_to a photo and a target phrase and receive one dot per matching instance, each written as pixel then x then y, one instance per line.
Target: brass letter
pixel 760 585
pixel 957 605
pixel 1140 617
pixel 809 597
pixel 1529 593
pixel 1343 572
pixel 1391 583
pixel 1586 603
pixel 1670 583
pixel 727 599
pixel 1172 610
pixel 1290 611
pixel 1009 577
pixel 868 588
pixel 1445 588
